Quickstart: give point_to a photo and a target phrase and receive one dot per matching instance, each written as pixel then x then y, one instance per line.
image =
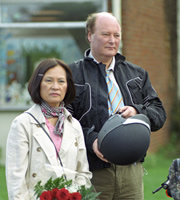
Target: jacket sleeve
pixel 151 105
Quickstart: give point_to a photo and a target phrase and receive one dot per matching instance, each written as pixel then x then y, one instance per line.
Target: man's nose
pixel 111 38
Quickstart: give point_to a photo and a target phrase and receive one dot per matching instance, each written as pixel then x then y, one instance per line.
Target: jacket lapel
pixel 46 144
pixel 69 137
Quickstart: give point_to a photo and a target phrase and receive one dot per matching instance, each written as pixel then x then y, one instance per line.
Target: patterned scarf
pixel 50 111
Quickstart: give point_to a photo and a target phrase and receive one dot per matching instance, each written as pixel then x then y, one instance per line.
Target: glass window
pixel 49 11
pixel 31 31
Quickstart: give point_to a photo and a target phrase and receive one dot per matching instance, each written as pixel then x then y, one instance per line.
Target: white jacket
pixel 29 151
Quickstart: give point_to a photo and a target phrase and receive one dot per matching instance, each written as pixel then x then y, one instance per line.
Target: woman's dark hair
pixel 37 76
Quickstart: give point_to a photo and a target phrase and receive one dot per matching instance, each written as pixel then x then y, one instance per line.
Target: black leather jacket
pixel 90 106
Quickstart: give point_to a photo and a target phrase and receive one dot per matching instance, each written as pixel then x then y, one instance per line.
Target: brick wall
pixel 147 42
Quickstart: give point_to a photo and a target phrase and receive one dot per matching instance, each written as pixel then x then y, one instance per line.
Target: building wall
pixel 146 42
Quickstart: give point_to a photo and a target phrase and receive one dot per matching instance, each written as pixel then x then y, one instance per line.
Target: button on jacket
pixel 90 106
pixel 30 150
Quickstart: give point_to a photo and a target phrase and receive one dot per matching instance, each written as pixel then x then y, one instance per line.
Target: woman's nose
pixel 55 85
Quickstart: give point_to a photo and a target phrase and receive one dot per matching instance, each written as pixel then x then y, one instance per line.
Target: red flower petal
pixel 46 195
pixel 53 192
pixel 62 194
pixel 75 196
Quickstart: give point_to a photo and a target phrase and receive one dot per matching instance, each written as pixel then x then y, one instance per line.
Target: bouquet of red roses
pixel 60 189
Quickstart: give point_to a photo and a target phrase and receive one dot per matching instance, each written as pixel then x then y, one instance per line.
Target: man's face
pixel 105 40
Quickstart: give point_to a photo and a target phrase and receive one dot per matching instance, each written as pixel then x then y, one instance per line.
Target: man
pixel 92 105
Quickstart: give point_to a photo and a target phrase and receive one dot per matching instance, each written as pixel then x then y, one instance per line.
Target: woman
pixel 30 149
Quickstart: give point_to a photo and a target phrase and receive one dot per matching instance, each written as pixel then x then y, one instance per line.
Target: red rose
pixel 62 194
pixel 46 195
pixel 53 192
pixel 75 196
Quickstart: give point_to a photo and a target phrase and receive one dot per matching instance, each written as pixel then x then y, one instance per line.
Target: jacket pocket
pixel 134 87
pixel 83 101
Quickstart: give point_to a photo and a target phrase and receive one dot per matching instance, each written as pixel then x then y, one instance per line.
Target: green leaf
pixel 38 189
pixel 88 193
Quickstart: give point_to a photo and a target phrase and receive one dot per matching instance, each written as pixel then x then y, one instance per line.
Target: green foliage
pixel 3 189
pixel 38 189
pixel 50 184
pixel 175 123
pixel 88 194
pixel 0 153
pixel 34 54
pixel 172 150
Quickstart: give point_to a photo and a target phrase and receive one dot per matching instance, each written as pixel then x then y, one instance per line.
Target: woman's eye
pixel 48 80
pixel 61 81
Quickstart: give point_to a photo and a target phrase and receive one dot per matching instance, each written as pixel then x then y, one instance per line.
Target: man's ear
pixel 89 37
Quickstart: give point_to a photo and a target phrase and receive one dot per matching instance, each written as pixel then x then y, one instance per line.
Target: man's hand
pixel 97 152
pixel 128 111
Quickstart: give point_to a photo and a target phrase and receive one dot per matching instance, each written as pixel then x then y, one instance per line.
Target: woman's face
pixel 53 86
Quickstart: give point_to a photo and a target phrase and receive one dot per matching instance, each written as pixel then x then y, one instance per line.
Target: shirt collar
pixel 111 66
pixel 91 56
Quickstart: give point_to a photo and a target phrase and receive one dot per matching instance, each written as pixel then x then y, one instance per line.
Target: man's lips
pixel 110 47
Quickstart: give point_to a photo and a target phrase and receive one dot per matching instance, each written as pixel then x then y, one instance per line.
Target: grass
pixel 157 167
pixel 3 189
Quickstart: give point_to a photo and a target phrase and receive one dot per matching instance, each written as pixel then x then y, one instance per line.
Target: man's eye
pixel 105 34
pixel 117 36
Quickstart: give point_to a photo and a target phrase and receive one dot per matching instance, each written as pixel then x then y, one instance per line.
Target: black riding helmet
pixel 124 141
